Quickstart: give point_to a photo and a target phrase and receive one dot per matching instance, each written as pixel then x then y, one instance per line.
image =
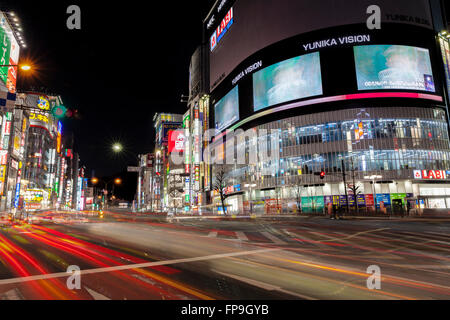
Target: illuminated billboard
pixel 176 141
pixel 292 79
pixel 393 67
pixel 9 55
pixel 223 27
pixel 227 110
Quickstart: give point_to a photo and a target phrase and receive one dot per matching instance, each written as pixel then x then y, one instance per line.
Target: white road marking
pixel 241 236
pixel 262 285
pixel 273 238
pixel 13 294
pixel 96 295
pixel 356 234
pixel 137 266
pixel 212 234
pixel 439 234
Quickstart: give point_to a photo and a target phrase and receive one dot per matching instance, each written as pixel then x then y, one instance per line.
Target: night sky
pixel 129 60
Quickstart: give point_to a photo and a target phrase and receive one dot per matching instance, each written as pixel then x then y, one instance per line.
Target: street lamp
pixel 23 67
pixel 117 147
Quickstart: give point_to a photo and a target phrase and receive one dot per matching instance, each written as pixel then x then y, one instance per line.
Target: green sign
pixel 399 196
pixel 59 111
pixel 5 51
pixel 313 204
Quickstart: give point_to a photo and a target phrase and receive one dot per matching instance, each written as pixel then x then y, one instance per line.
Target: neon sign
pixel 39 117
pixel 43 103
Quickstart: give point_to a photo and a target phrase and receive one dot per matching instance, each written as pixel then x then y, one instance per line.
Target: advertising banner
pixel 9 55
pixel 361 200
pixel 445 50
pixel 176 141
pixel 385 198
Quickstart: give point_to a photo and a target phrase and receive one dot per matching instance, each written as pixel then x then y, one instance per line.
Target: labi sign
pixel 336 42
pixel 430 175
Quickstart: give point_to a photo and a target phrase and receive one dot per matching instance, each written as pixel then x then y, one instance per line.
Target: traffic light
pixel 322 175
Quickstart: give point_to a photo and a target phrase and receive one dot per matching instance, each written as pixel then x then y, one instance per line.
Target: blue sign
pixel 385 198
pixel 16 200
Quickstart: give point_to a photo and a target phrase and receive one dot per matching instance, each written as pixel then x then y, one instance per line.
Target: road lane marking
pixel 263 285
pixel 212 234
pixel 356 234
pixel 96 295
pixel 273 238
pixel 13 294
pixel 241 236
pixel 137 266
pixel 391 279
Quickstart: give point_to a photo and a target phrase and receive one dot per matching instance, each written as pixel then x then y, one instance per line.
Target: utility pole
pixel 345 185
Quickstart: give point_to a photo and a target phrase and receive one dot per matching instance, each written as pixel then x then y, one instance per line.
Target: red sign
pixel 430 174
pixel 176 141
pixel 369 200
pixel 221 29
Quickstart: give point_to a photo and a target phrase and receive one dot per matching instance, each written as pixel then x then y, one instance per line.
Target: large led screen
pixel 288 80
pixel 226 111
pixel 393 67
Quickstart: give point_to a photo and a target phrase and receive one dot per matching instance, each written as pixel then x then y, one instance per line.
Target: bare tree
pixel 219 185
pixel 298 189
pixel 355 189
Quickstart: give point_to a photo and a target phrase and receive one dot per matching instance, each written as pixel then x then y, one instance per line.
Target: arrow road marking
pixel 96 295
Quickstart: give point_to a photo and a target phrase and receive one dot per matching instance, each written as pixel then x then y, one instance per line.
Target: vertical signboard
pixel 9 54
pixel 445 50
pixel 58 139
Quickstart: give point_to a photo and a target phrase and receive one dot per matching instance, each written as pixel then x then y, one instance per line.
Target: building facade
pixel 326 91
pixel 164 123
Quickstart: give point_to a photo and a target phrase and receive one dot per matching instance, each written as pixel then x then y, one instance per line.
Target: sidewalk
pixel 276 217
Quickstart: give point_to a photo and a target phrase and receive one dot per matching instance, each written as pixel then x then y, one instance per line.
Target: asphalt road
pixel 124 256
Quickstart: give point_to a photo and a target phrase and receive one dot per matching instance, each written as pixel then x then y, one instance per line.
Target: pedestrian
pixel 333 216
pixel 408 208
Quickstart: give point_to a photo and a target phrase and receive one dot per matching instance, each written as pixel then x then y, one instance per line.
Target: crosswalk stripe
pixel 272 238
pixel 212 234
pixel 241 236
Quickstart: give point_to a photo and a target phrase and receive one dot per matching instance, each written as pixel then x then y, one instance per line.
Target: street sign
pixel 134 169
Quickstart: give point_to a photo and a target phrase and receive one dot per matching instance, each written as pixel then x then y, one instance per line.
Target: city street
pixel 135 256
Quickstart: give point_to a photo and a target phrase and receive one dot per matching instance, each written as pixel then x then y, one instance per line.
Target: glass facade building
pixel 389 143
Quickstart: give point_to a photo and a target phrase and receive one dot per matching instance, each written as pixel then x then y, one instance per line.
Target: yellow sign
pixel 39 117
pixel 2 173
pixel 16 143
pixel 43 103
